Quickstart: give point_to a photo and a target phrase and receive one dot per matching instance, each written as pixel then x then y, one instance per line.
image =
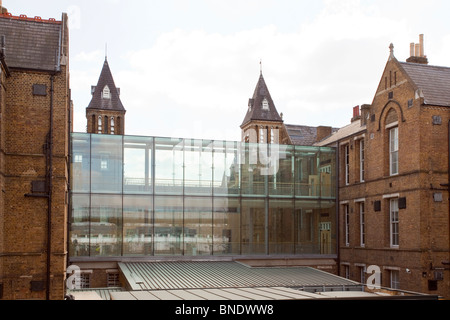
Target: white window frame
pixel 394 223
pixel 261 135
pixel 362 224
pixel 347 164
pixel 347 224
pixel 394 276
pixel 113 127
pixel 361 160
pixel 393 151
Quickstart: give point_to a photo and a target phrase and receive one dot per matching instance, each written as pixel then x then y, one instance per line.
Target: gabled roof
pixel 31 44
pixel 433 81
pixel 256 110
pixel 352 129
pixel 98 102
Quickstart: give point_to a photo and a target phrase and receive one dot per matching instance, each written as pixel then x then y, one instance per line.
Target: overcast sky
pixel 186 68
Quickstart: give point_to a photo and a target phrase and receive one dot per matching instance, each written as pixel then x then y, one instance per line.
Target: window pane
pixel 281 227
pixel 137 165
pixel 81 163
pixel 198 237
pixel 226 168
pixel 79 227
pixel 137 225
pixel 168 234
pixel 282 168
pixel 106 169
pixel 169 166
pixel 253 227
pixel 394 223
pixel 198 167
pixel 106 225
pixel 227 226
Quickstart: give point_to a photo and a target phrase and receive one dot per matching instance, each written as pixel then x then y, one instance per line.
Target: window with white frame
pixel 361 160
pixel 394 279
pixel 347 224
pixel 261 135
pixel 393 151
pixel 347 164
pixel 113 127
pixel 394 223
pixel 362 224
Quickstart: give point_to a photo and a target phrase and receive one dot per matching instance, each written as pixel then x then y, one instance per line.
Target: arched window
pixel 392 130
pixel 113 128
pixel 99 125
pixel 261 134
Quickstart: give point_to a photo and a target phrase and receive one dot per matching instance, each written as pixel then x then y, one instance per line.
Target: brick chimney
pixel 323 132
pixel 356 114
pixel 417 52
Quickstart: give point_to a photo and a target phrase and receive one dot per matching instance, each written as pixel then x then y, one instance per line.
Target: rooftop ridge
pixel 24 17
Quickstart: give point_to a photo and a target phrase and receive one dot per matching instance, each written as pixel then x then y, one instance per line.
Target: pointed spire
pixel 391 49
pixel 106 96
pixel 261 106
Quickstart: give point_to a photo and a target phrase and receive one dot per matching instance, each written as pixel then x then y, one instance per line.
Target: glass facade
pixel 148 196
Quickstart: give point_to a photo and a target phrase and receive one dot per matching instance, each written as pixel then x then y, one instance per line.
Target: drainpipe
pixel 50 187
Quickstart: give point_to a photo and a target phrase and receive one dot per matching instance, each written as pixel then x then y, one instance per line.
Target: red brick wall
pixel 423 167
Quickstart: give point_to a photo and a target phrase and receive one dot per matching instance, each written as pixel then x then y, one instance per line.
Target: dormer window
pixel 106 93
pixel 265 104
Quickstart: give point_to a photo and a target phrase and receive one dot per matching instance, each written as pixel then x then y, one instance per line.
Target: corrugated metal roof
pixel 212 275
pixel 240 294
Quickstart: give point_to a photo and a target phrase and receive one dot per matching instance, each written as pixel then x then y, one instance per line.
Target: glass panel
pixel 106 225
pixel 227 226
pixel 198 237
pixel 281 180
pixel 137 165
pixel 307 180
pixel 81 163
pixel 253 169
pixel 107 158
pixel 198 167
pixel 307 227
pixel 79 227
pixel 169 164
pixel 168 234
pixel 327 173
pixel 226 168
pixel 253 226
pixel 281 227
pixel 137 225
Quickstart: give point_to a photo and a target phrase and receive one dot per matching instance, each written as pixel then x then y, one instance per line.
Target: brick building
pixel 393 179
pixel 35 112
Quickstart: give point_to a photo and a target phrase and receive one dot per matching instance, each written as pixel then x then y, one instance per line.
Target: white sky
pixel 186 68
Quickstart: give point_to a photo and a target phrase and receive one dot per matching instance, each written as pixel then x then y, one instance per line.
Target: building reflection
pixel 146 196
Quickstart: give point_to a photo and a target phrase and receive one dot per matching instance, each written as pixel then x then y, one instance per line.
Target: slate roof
pixel 342 133
pixel 434 81
pixel 31 44
pixel 256 111
pixel 98 102
pixel 303 135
